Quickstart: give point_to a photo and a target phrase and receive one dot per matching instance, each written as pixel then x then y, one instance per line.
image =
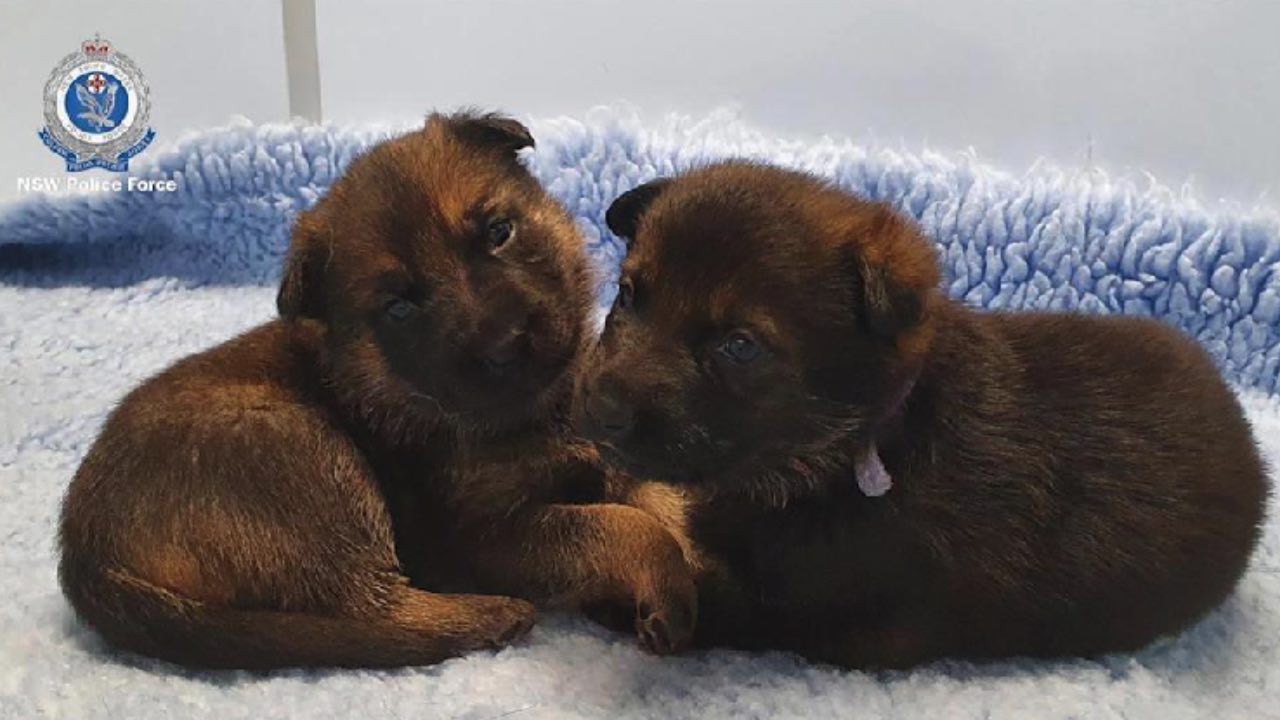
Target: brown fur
pixel 1064 485
pixel 281 499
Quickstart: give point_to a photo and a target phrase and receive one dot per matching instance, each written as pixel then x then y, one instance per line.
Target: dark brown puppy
pixel 1062 485
pixel 270 502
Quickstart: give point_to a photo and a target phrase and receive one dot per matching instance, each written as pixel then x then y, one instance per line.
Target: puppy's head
pixel 763 319
pixel 448 281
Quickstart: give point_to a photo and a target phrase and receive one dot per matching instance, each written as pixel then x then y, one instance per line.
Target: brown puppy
pixel 270 502
pixel 779 352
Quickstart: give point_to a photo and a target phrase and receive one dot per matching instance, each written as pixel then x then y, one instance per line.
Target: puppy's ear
pixel 623 216
pixel 489 130
pixel 895 270
pixel 887 307
pixel 301 292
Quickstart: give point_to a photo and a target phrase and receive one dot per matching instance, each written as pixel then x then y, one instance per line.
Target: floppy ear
pixel 301 292
pixel 489 130
pixel 888 308
pixel 623 215
pixel 896 271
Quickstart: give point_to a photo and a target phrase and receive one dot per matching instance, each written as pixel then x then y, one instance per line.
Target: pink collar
pixel 873 479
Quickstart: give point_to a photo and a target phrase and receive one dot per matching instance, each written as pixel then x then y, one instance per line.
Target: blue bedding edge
pixel 1046 239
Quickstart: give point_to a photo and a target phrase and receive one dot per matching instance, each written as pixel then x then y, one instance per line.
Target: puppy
pixel 870 474
pixel 280 499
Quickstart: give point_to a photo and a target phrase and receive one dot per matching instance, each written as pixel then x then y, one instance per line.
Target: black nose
pixel 612 416
pixel 505 352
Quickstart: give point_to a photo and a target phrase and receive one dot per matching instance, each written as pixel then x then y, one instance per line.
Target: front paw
pixel 666 616
pixel 502 620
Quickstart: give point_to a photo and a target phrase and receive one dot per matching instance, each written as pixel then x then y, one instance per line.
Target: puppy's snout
pixel 604 415
pixel 506 349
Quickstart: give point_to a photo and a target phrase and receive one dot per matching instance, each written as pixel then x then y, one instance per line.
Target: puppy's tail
pixel 416 627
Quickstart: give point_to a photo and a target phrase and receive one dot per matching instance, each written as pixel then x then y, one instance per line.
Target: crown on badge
pixel 97 47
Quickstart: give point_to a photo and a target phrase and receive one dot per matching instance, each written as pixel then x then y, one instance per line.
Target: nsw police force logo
pixel 96 109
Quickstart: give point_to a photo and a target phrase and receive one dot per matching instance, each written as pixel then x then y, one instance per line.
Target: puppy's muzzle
pixel 507 350
pixel 603 416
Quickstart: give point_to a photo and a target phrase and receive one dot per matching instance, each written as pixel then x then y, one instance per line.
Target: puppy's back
pixel 1162 490
pixel 1116 374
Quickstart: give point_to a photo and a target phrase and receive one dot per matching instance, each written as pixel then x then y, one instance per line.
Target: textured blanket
pixel 99 291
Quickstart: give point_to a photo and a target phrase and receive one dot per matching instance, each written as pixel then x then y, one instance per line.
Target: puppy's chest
pixel 462 478
pixel 808 556
pixel 443 497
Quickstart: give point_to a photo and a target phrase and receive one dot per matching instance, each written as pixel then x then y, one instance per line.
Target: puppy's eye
pixel 626 294
pixel 399 309
pixel 500 231
pixel 741 348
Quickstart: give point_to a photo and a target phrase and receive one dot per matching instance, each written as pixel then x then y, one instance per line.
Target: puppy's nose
pixel 504 352
pixel 612 416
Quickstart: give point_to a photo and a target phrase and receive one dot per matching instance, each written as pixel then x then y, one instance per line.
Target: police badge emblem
pixel 96 108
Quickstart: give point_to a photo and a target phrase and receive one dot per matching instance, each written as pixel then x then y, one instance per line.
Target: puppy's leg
pixel 575 555
pixel 407 626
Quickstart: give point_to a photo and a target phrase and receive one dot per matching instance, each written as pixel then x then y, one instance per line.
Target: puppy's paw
pixel 504 620
pixel 666 619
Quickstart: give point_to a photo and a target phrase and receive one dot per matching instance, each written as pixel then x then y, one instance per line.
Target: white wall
pixel 205 62
pixel 1184 88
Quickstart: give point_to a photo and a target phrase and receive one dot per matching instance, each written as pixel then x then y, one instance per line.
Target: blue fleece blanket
pixel 99 291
